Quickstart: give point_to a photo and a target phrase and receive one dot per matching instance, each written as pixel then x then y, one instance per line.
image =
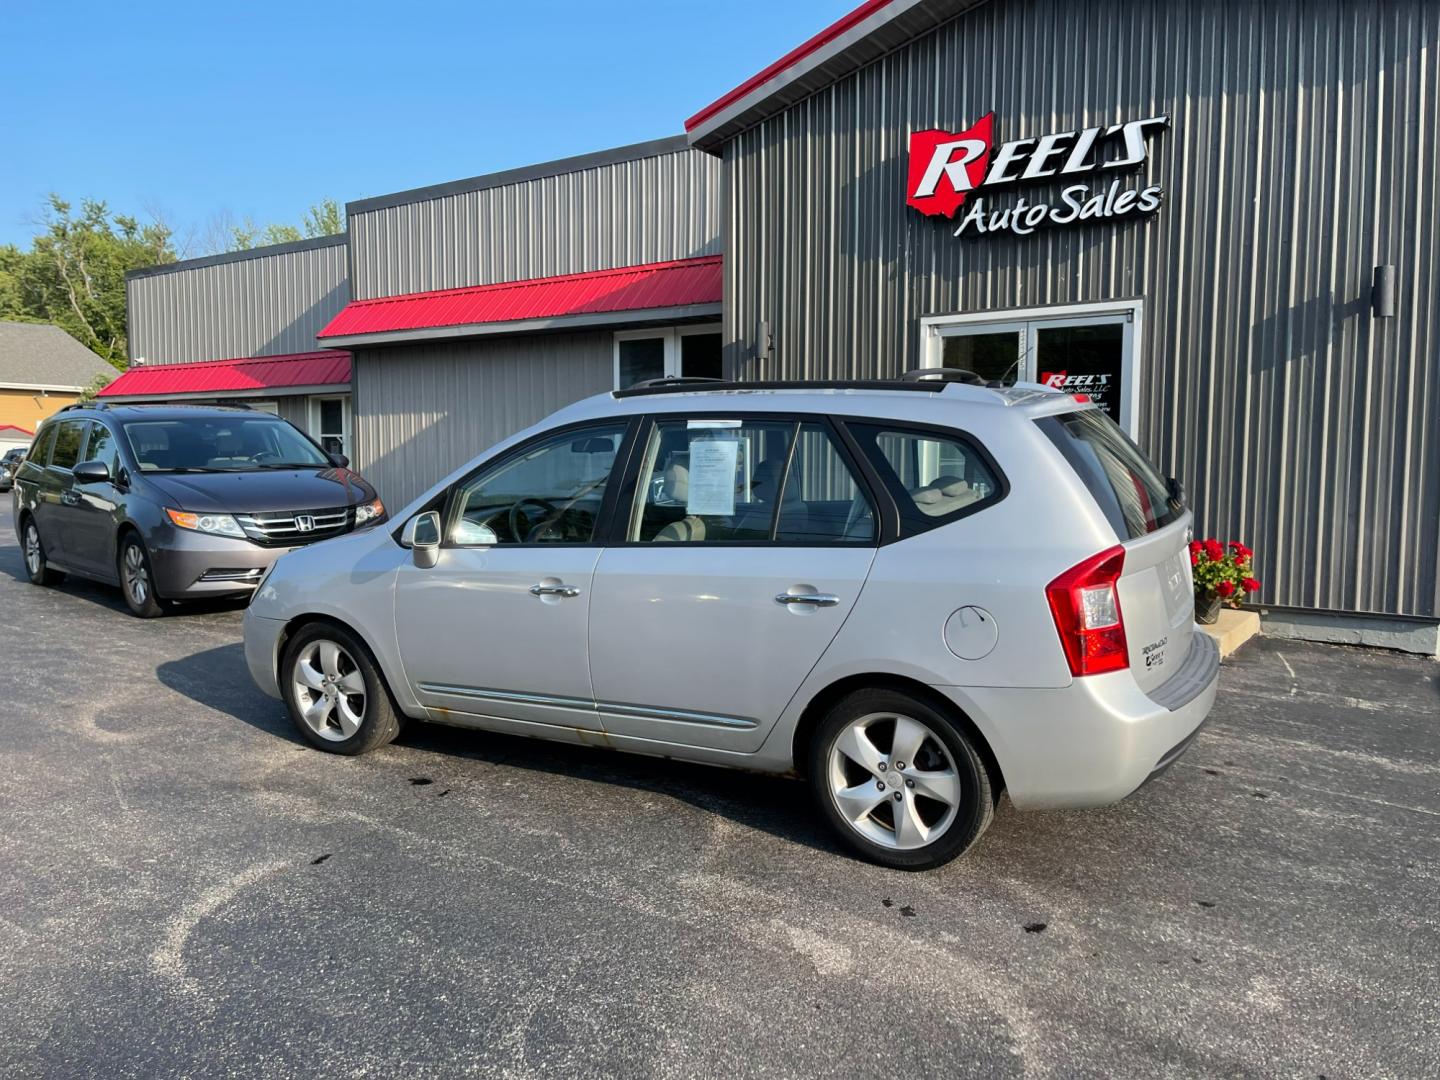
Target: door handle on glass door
pixel 554 590
pixel 817 599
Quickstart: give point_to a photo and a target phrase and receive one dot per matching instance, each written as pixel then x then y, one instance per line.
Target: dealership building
pixel 1218 221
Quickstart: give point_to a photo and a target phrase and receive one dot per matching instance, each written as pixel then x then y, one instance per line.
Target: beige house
pixel 42 369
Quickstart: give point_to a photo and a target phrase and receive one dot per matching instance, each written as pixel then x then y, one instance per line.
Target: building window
pixel 689 351
pixel 330 423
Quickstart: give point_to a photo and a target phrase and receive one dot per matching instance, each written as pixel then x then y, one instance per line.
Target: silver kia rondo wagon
pixel 915 594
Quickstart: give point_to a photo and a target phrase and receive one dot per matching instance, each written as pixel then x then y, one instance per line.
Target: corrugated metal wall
pixel 1302 153
pixel 296 409
pixel 424 410
pixel 253 304
pixel 647 210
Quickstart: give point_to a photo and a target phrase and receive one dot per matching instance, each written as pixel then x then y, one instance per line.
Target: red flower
pixel 1250 585
pixel 1241 551
pixel 1214 550
pixel 1196 547
pixel 1194 558
pixel 1225 588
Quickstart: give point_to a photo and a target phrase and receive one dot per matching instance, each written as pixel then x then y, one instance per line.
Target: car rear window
pixel 1130 491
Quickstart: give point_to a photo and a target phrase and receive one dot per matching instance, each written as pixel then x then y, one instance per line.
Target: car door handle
pixel 554 590
pixel 820 599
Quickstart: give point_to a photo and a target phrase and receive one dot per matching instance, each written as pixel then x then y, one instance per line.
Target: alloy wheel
pixel 894 781
pixel 32 550
pixel 329 690
pixel 137 575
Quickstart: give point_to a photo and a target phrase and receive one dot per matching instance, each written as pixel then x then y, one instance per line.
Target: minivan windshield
pixel 221 444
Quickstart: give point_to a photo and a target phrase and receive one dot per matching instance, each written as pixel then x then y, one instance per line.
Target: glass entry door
pixel 1083 354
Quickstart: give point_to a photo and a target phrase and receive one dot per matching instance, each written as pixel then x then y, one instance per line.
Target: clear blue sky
pixel 193 110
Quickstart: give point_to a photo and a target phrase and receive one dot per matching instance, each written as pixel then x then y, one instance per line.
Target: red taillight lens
pixel 1086 607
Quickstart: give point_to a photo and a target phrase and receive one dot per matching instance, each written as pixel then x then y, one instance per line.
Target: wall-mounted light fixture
pixel 1382 292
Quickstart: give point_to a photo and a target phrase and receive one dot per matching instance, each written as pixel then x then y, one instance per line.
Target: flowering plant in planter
pixel 1223 575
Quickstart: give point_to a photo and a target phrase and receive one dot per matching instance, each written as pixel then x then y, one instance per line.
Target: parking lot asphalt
pixel 187 890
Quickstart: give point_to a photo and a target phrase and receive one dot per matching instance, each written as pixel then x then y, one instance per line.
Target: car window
pixel 934 477
pixel 550 492
pixel 238 443
pixel 728 481
pixel 102 447
pixel 1130 491
pixel 40 448
pixel 67 444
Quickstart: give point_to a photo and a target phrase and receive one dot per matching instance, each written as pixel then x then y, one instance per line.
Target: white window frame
pixel 672 336
pixel 345 421
pixel 1128 313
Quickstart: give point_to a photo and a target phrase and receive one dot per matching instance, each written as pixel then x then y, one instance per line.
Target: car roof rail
pixel 683 386
pixel 672 380
pixel 945 375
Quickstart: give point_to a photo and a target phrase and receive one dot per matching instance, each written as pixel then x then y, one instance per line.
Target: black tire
pixel 137 578
pixel 37 567
pixel 379 720
pixel 973 809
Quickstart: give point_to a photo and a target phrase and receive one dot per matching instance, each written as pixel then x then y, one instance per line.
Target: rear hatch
pixel 1157 599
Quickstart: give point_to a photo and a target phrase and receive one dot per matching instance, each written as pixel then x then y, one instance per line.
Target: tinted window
pixel 933 476
pixel 239 443
pixel 40 448
pixel 1130 491
pixel 102 447
pixel 548 493
pixel 67 444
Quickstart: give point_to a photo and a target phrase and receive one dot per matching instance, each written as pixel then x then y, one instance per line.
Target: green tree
pixel 74 273
pixel 325 218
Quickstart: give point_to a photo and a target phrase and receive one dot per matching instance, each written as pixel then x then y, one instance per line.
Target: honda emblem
pixel 304 523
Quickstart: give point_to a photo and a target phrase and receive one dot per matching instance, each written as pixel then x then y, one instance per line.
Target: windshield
pixel 221 444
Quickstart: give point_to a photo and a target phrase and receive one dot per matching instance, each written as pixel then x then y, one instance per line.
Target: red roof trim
pixel 679 283
pixel 329 367
pixel 790 59
pixel 17 427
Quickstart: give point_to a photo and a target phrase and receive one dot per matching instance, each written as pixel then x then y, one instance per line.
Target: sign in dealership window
pixel 672 351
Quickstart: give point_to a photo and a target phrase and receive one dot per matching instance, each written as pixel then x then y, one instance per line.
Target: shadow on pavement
pixel 219 679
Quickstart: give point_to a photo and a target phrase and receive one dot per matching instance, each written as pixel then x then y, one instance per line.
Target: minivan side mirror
pixel 340 461
pixel 422 536
pixel 91 472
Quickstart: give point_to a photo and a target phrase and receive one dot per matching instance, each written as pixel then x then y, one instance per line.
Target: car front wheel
pixel 899 780
pixel 137 579
pixel 336 694
pixel 37 566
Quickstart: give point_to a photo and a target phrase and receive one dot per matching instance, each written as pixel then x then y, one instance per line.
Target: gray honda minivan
pixel 178 502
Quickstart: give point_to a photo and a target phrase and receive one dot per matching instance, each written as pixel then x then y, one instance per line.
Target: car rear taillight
pixel 1087 614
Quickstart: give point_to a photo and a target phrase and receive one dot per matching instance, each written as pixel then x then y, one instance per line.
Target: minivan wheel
pixel 137 580
pixel 335 692
pixel 899 780
pixel 37 567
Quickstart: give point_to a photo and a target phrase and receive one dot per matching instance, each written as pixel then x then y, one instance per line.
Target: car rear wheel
pixel 37 566
pixel 899 780
pixel 335 692
pixel 137 579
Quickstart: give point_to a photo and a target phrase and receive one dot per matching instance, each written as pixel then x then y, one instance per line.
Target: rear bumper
pixel 1097 740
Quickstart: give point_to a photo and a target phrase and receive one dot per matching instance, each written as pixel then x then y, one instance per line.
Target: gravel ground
pixel 186 890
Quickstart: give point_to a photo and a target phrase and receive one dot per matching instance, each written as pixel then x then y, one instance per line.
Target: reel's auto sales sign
pixel 948 167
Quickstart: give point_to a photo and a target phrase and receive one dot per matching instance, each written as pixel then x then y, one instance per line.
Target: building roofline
pixel 671 144
pixel 871 31
pixel 238 256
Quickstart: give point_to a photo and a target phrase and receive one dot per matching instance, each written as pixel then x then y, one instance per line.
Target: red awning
pixel 571 298
pixel 249 374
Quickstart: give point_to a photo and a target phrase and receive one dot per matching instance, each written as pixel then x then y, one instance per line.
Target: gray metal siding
pixel 1302 153
pixel 422 411
pixel 651 209
pixel 296 409
pixel 261 306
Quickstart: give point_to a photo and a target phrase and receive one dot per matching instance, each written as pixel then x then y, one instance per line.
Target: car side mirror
pixel 340 461
pixel 422 536
pixel 91 472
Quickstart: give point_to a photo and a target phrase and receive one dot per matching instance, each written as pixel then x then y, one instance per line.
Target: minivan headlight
pixel 215 524
pixel 368 512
